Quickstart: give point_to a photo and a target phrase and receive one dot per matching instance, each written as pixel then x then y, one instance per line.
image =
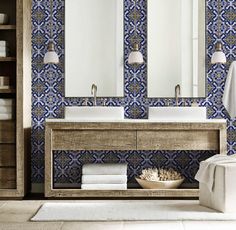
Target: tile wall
pixel 48 99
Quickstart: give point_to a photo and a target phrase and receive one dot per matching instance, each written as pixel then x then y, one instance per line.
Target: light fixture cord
pixel 51 21
pixel 135 21
pixel 219 21
pixel 135 7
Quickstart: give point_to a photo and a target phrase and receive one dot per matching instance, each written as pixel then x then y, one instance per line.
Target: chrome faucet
pixel 177 94
pixel 94 93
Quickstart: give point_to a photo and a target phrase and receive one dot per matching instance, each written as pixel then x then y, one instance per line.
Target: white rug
pixel 152 210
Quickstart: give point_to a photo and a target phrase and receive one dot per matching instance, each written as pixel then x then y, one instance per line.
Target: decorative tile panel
pixel 48 99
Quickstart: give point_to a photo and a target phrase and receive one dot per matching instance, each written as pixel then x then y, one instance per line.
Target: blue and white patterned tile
pixel 48 99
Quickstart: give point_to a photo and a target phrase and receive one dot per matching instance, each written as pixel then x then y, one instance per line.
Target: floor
pixel 17 214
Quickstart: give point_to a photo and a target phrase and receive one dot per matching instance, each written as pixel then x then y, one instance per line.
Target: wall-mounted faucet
pixel 94 93
pixel 177 94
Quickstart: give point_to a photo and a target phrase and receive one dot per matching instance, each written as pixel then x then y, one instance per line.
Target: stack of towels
pixel 4 51
pixel 6 109
pixel 104 176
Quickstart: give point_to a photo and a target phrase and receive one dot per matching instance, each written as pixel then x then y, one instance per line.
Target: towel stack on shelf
pixel 4 51
pixel 6 109
pixel 104 176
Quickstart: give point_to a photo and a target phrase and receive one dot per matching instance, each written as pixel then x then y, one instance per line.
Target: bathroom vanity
pixel 180 74
pixel 63 134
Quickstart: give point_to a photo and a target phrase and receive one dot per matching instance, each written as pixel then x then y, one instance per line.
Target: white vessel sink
pixel 94 113
pixel 177 113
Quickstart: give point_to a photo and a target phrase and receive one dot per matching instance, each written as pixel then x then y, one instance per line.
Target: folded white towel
pixel 4 49
pixel 104 186
pixel 229 97
pixel 5 116
pixel 3 43
pixel 6 102
pixel 5 87
pixel 5 109
pixel 206 172
pixel 104 169
pixel 104 179
pixel 4 81
pixel 3 53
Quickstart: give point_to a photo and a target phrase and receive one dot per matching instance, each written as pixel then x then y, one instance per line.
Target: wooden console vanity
pixel 129 135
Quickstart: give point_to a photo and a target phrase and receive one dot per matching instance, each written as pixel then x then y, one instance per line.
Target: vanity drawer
pixel 7 132
pixel 7 155
pixel 93 140
pixel 178 140
pixel 7 178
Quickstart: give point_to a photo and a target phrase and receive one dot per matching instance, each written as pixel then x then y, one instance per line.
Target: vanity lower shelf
pixel 126 193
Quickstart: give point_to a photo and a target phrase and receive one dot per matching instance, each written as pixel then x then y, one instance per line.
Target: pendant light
pixel 51 57
pixel 218 56
pixel 135 56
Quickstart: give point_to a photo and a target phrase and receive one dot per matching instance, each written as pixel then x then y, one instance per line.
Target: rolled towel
pixel 5 116
pixel 104 179
pixel 104 186
pixel 5 109
pixel 6 102
pixel 206 172
pixel 104 169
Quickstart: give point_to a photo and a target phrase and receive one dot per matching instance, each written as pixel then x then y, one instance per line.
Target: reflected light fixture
pixel 135 56
pixel 218 56
pixel 51 57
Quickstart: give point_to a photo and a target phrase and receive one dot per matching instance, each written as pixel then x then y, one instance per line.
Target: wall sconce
pixel 135 56
pixel 51 57
pixel 218 56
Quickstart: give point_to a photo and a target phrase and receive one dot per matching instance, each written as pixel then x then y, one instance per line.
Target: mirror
pixel 176 47
pixel 94 51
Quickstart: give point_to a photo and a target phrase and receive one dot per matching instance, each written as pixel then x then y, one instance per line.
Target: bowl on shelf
pixel 171 184
pixel 3 19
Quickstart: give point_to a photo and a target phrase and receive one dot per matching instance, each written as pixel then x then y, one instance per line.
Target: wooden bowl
pixel 171 184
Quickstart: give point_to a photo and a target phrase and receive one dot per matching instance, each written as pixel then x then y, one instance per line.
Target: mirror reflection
pixel 94 47
pixel 176 48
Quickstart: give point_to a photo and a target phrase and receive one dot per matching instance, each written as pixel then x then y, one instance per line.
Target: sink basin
pixel 94 113
pixel 177 113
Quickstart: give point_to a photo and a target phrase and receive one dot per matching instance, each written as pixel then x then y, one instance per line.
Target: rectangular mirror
pixel 94 52
pixel 176 47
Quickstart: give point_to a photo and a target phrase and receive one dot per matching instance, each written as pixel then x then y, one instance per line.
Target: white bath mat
pixel 152 210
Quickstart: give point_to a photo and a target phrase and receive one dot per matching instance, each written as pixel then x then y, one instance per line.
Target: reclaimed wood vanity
pixel 129 135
